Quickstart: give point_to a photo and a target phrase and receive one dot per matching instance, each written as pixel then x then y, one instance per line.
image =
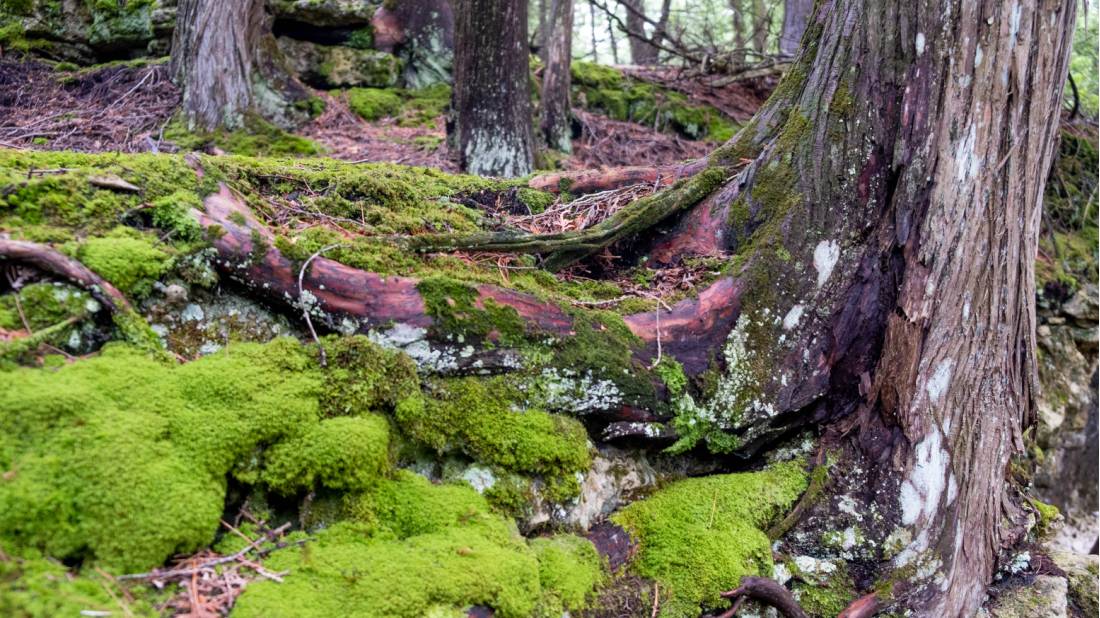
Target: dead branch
pixel 49 260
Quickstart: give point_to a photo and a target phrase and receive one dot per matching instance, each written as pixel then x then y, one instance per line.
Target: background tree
pixel 555 113
pixel 225 61
pixel 795 15
pixel 490 122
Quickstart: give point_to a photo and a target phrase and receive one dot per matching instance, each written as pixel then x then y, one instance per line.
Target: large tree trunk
pixel 761 26
pixel 555 122
pixel 421 33
pixel 491 102
pixel 796 13
pixel 882 212
pixel 225 61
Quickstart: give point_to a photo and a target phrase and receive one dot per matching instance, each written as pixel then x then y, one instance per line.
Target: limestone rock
pixel 1046 596
pixel 336 66
pixel 1081 571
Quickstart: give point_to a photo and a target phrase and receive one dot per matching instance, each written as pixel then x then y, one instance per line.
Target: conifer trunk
pixel 491 102
pixel 225 61
pixel 795 15
pixel 555 122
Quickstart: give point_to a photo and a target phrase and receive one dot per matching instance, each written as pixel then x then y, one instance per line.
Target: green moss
pixel 417 549
pixel 570 570
pixel 484 419
pixel 374 103
pixel 824 599
pixel 457 311
pixel 672 374
pixel 363 377
pixel 699 536
pixel 348 453
pixel 606 90
pixel 173 213
pixel 362 38
pixel 412 108
pixel 123 433
pixel 258 138
pixel 127 259
pixel 535 201
pixel 35 587
pixel 1048 515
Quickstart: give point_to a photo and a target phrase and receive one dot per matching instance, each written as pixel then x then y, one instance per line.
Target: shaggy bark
pixel 555 122
pixel 883 213
pixel 491 102
pixel 226 63
pixel 796 13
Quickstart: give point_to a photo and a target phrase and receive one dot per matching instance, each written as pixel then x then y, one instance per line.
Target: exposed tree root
pixel 49 260
pixel 245 251
pixel 765 590
pixel 863 607
pixel 590 181
pixel 562 249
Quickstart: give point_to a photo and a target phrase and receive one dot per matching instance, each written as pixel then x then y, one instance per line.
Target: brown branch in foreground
pixel 590 181
pixel 765 590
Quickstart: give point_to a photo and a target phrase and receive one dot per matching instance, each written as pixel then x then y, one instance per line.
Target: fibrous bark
pixel 883 212
pixel 226 63
pixel 491 103
pixel 555 121
pixel 420 32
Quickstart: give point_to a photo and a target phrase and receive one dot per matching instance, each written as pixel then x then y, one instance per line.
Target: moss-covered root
pixel 563 249
pixel 46 258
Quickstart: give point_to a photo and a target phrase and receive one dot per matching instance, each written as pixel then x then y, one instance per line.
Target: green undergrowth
pixel 417 549
pixel 411 108
pixel 258 138
pixel 123 432
pixel 1069 241
pixel 698 537
pixel 607 91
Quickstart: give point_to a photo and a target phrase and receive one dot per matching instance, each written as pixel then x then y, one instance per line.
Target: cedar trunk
pixel 795 15
pixel 491 102
pixel 556 118
pixel 882 210
pixel 226 63
pixel 641 51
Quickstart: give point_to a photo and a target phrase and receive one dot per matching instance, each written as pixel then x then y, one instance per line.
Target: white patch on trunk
pixel 793 316
pixel 920 43
pixel 940 380
pixel 920 493
pixel 826 255
pixel 966 162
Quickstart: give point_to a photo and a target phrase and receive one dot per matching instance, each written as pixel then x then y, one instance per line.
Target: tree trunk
pixel 882 213
pixel 421 33
pixel 555 122
pixel 225 61
pixel 641 51
pixel 796 13
pixel 491 102
pixel 738 57
pixel 761 25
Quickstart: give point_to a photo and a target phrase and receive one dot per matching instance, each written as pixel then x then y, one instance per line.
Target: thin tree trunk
pixel 491 101
pixel 662 26
pixel 614 42
pixel 592 30
pixel 225 61
pixel 641 51
pixel 540 35
pixel 555 122
pixel 796 14
pixel 761 24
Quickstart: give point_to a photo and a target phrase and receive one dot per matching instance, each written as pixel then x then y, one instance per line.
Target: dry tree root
pixel 765 590
pixel 584 182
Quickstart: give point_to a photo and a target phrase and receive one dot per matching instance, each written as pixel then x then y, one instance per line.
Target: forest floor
pixel 127 107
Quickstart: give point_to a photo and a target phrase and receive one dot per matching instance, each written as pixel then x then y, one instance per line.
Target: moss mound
pixel 418 549
pixel 699 536
pixel 607 91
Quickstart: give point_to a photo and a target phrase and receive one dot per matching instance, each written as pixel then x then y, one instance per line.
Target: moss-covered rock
pixel 338 66
pixel 127 259
pixel 417 549
pixel 699 536
pixel 411 107
pixel 605 90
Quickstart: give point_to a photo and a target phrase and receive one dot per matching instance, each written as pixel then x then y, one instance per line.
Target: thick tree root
pixel 765 590
pixel 246 254
pixel 563 249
